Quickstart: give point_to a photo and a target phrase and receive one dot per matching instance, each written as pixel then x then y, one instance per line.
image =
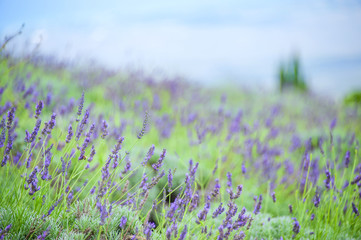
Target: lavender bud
pixel 80 107
pixel 39 108
pixel 145 125
pixel 70 134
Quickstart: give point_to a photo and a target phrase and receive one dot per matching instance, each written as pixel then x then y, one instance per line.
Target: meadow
pixel 91 153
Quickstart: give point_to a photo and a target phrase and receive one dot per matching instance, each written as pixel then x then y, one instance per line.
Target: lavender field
pixel 89 153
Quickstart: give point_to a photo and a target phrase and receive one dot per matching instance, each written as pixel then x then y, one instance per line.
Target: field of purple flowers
pixel 88 153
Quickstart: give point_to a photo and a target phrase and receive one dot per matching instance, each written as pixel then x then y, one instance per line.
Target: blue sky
pixel 207 41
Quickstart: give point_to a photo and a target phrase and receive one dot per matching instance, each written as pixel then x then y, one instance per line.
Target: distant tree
pixel 290 75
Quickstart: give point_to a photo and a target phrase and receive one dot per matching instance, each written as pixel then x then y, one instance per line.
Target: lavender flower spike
pixel 159 164
pixel 145 125
pixel 80 107
pixel 149 155
pixel 39 108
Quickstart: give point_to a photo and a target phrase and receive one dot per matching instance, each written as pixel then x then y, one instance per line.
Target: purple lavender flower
pixel 258 205
pixel 53 207
pixel 92 153
pixel 32 181
pixel 92 191
pixel 145 125
pixel 80 106
pixel 52 123
pixel 31 137
pixel 356 179
pixel 244 170
pixel 218 211
pixel 39 108
pixel 159 164
pixel 115 161
pixel 237 195
pixel 123 221
pixel 183 233
pixel 316 200
pixel 44 234
pixel 11 115
pixel 45 172
pixel 104 129
pixel 148 230
pixel 3 132
pixel 82 124
pixel 333 124
pixel 170 180
pixel 28 160
pixel 354 209
pixel 296 226
pixel 69 199
pixel 347 159
pixel 290 208
pixel 273 197
pixel 149 155
pixel 118 146
pixel 202 215
pixel 312 216
pixel 328 179
pixel 229 178
pixel 70 134
pixel 216 188
pixel 6 230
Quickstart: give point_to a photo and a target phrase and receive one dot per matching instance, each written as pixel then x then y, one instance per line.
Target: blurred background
pixel 254 43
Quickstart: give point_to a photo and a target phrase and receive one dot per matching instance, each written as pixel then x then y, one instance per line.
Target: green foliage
pixel 290 75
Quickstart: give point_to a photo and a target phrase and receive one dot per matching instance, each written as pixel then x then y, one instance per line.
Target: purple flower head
pixel 6 230
pixel 32 181
pixel 148 230
pixel 33 135
pixel 11 115
pixel 244 170
pixel 296 226
pixel 258 205
pixel 229 179
pixel 45 172
pixel 290 208
pixel 218 211
pixel 312 216
pixel 145 125
pixel 149 155
pixel 92 191
pixel 273 196
pixel 3 132
pixel 70 134
pixel 355 210
pixel 80 106
pixel 118 146
pixel 238 194
pixel 159 164
pixel 316 199
pixel 123 221
pixel 347 159
pixel 170 179
pixel 92 153
pixel 39 108
pixel 328 179
pixel 356 179
pixel 216 188
pixel 44 234
pixel 333 124
pixel 52 123
pixel 183 233
pixel 104 129
pixel 28 160
pixel 82 124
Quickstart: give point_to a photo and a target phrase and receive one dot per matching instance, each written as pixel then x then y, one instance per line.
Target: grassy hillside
pixel 89 153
